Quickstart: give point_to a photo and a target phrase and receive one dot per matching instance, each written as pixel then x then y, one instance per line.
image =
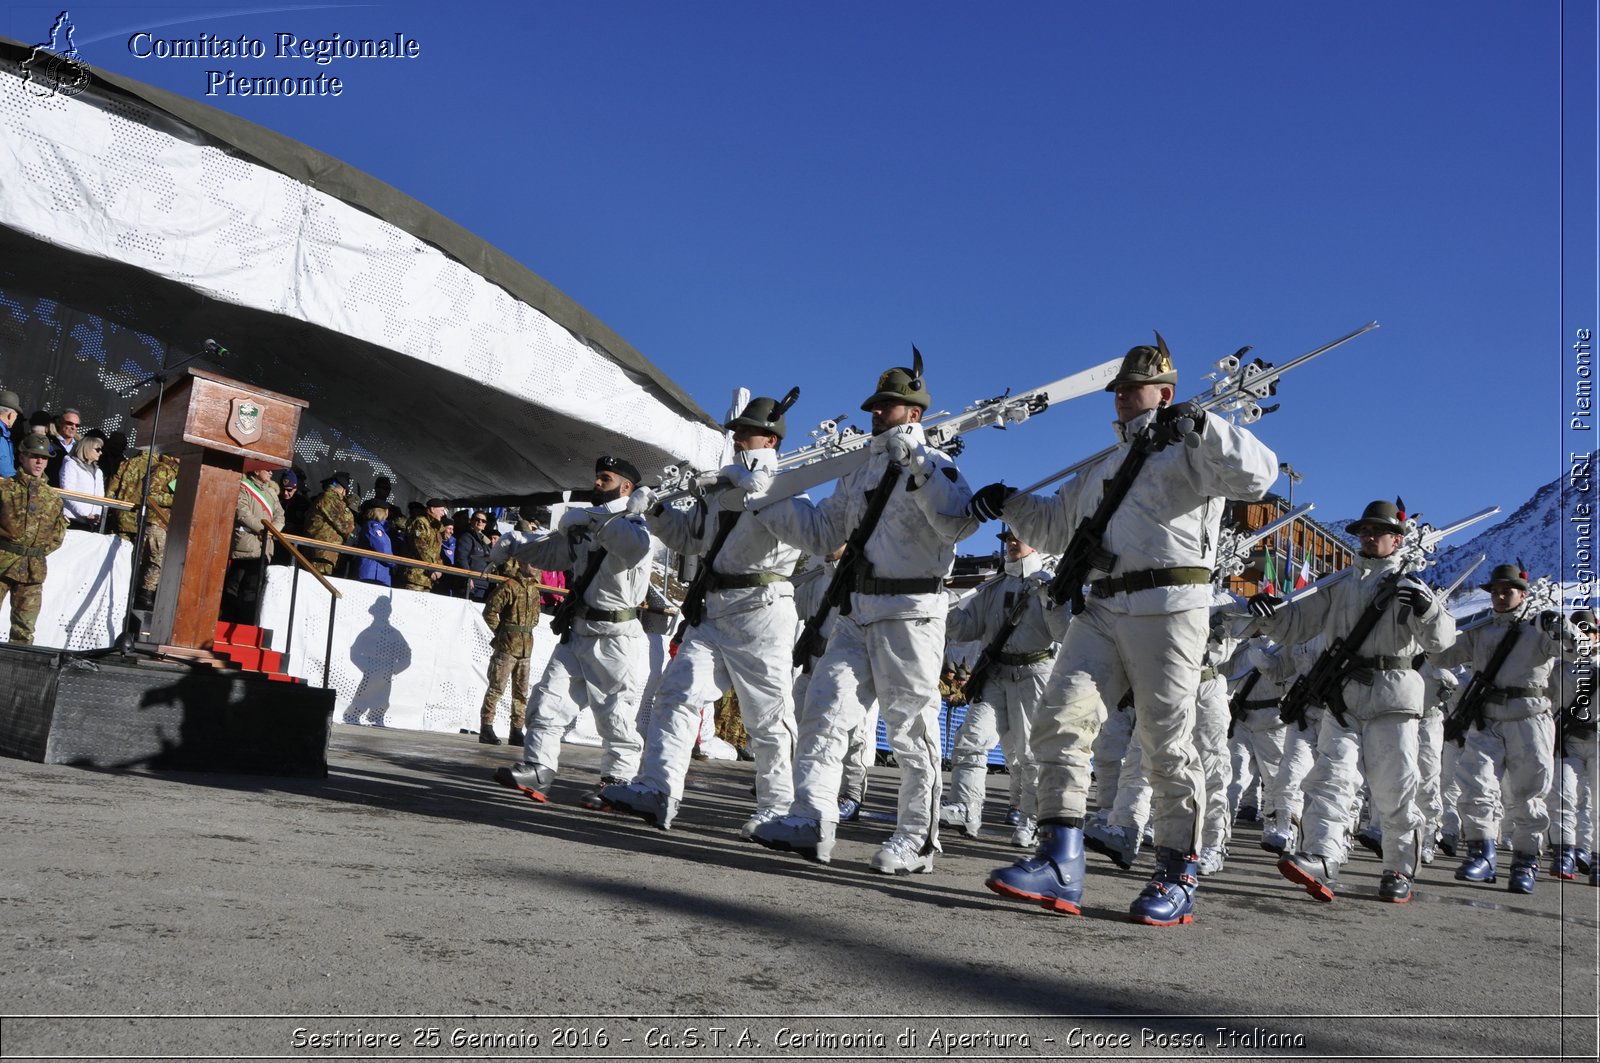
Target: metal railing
pixel 300 562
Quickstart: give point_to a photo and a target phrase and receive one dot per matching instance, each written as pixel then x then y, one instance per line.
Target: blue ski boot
pixel 1052 877
pixel 1581 855
pixel 1565 864
pixel 1479 866
pixel 1168 899
pixel 1524 872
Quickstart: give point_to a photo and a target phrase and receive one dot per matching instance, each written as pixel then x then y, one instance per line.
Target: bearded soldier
pixel 511 612
pixel 1010 691
pixel 741 620
pixel 1516 732
pixel 1144 627
pixel 1373 717
pixel 889 641
pixel 128 486
pixel 32 525
pixel 330 521
pixel 602 656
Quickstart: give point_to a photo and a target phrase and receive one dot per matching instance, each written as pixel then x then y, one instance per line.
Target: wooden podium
pixel 213 424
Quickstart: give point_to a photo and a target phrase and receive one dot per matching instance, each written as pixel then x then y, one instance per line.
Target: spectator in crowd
pixel 382 491
pixel 330 520
pixel 31 527
pixel 375 537
pixel 296 503
pixel 472 549
pixel 81 472
pixel 128 486
pixel 423 541
pixel 449 584
pixel 252 546
pixel 111 456
pixel 63 440
pixel 10 410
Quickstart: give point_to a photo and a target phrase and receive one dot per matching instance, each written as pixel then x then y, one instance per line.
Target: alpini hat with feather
pixel 765 414
pixel 1515 575
pixel 1391 516
pixel 1146 365
pixel 902 385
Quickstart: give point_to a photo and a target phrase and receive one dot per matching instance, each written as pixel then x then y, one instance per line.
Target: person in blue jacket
pixel 375 537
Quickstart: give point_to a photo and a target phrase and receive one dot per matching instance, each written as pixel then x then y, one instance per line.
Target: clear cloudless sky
pixel 778 193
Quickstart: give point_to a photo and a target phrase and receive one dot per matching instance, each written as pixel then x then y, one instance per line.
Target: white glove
pixel 749 474
pixel 641 499
pixel 908 446
pixel 508 544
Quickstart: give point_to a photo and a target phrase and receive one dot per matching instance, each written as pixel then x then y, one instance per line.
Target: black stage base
pixel 124 712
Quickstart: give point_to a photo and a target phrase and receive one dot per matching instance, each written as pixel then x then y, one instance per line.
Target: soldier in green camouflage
pixel 127 486
pixel 511 613
pixel 330 520
pixel 31 526
pixel 425 542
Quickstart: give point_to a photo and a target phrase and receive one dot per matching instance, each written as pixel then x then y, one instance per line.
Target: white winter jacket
pixel 624 574
pixel 1334 613
pixel 750 548
pixel 1170 517
pixel 1527 667
pixel 915 539
pixel 979 618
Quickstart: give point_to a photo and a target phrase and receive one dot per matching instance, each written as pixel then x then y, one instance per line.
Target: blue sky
pixel 769 194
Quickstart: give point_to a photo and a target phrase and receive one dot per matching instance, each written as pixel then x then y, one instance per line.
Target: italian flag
pixel 1269 576
pixel 257 494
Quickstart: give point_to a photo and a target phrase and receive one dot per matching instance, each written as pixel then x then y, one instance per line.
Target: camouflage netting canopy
pixel 137 224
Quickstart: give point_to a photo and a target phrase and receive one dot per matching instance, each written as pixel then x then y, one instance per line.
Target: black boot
pixel 486 735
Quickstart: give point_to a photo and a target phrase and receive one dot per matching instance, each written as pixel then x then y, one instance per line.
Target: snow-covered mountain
pixel 1532 533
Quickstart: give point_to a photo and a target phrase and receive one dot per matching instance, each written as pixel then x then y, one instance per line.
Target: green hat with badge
pixel 902 385
pixel 765 414
pixel 1515 575
pixel 1146 365
pixel 1391 516
pixel 35 444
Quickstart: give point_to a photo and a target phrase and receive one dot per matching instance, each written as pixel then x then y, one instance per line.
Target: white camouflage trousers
pixel 897 663
pixel 1572 794
pixel 1002 716
pixel 1384 750
pixel 1211 742
pixel 1103 654
pixel 1521 754
pixel 1286 789
pixel 1430 761
pixel 1262 733
pixel 1110 751
pixel 749 651
pixel 605 673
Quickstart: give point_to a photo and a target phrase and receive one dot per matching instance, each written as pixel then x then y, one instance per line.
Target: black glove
pixel 1551 621
pixel 1264 605
pixel 988 501
pixel 1184 421
pixel 1413 597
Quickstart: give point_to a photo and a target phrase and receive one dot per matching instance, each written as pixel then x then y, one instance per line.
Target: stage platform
pixel 120 711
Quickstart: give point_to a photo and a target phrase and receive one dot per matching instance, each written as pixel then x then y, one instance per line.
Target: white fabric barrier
pixel 400 658
pixel 85 593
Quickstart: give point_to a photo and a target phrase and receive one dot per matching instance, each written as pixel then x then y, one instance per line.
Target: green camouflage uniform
pixel 331 521
pixel 31 526
pixel 126 487
pixel 425 542
pixel 511 613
